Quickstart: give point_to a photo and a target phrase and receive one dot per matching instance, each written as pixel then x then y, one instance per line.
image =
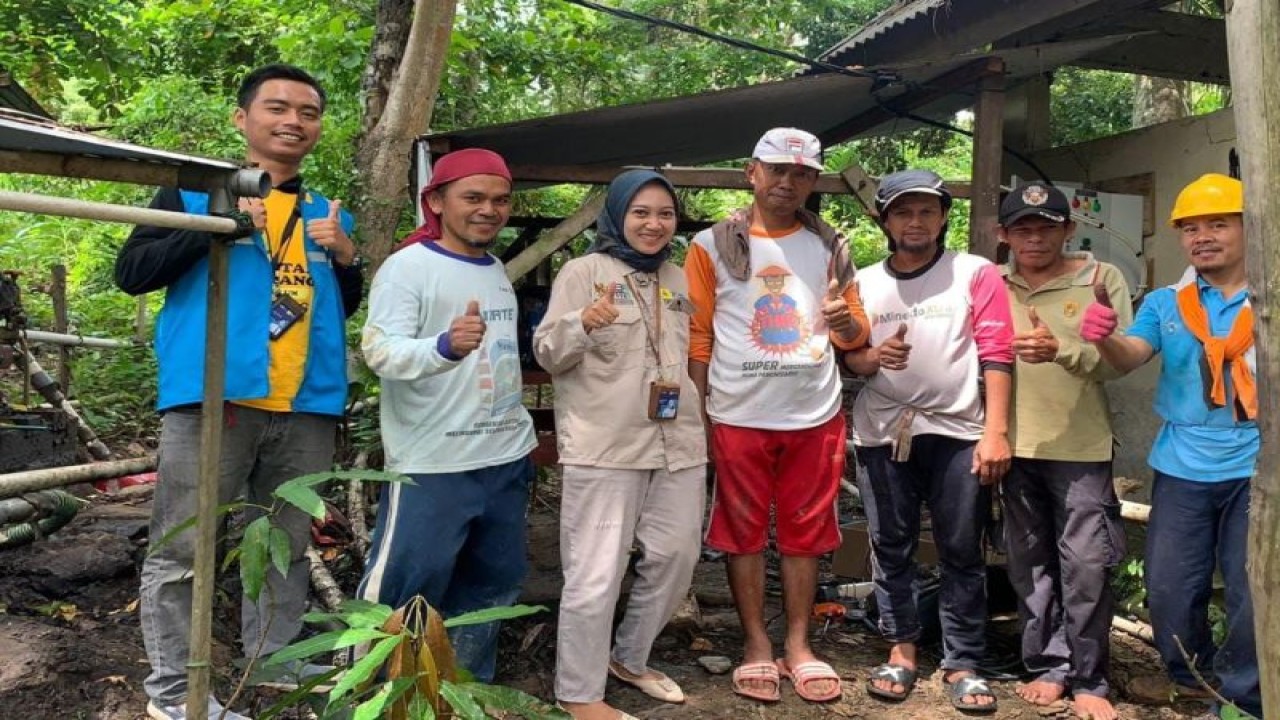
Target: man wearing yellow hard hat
pixel 1205 451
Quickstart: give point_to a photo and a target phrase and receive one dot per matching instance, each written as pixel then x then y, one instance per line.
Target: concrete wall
pixel 1175 153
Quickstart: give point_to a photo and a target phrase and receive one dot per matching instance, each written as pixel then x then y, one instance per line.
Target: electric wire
pixel 882 78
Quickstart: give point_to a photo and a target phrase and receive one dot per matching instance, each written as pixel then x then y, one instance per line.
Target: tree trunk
pixel 1157 100
pixel 1253 43
pixel 400 84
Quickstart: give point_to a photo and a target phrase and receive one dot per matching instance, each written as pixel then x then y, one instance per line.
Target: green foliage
pixel 1088 104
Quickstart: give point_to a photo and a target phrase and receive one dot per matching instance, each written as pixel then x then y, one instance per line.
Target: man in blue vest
pixel 293 283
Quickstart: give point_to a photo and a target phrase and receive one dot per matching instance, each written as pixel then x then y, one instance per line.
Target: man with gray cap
pixel 939 353
pixel 1061 516
pixel 774 299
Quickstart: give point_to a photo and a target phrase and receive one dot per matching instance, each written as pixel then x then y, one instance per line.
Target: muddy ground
pixel 71 648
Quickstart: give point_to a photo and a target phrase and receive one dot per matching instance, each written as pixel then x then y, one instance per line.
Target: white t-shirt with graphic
pixel 440 415
pixel 772 364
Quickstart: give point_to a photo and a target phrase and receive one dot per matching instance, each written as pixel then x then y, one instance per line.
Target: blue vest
pixel 180 328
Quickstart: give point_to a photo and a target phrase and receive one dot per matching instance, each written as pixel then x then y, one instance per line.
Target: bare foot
pixel 1094 707
pixel 599 710
pixel 903 654
pixel 1042 692
pixel 974 700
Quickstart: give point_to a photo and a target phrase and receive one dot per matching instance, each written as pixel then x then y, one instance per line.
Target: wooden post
pixel 557 237
pixel 1253 42
pixel 58 294
pixel 203 570
pixel 988 134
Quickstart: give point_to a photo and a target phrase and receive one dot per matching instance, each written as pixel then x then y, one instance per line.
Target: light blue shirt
pixel 1197 441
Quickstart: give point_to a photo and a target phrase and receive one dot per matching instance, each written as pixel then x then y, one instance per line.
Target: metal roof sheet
pixel 724 125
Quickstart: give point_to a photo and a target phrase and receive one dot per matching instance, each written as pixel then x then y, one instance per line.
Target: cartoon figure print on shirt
pixel 778 327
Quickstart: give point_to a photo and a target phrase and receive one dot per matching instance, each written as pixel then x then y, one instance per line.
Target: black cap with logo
pixel 1034 198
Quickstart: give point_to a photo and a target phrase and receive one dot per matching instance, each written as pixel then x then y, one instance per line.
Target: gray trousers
pixel 1063 534
pixel 602 512
pixel 260 450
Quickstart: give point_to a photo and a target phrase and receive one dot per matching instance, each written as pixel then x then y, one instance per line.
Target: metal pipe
pixel 20 483
pixel 50 391
pixel 66 207
pixel 72 339
pixel 180 171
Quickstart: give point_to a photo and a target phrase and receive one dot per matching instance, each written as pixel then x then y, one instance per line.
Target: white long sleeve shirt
pixel 441 415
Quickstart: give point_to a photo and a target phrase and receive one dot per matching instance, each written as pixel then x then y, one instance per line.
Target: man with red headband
pixel 441 333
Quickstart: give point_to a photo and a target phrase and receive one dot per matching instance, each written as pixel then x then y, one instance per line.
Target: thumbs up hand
pixel 602 312
pixel 327 232
pixel 836 312
pixel 1037 346
pixel 895 351
pixel 1099 320
pixel 466 332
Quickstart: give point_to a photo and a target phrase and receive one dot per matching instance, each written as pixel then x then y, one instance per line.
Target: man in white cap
pixel 774 297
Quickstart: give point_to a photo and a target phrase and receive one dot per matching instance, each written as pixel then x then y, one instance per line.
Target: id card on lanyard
pixel 285 311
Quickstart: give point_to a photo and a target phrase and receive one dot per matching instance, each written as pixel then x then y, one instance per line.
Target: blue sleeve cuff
pixel 442 347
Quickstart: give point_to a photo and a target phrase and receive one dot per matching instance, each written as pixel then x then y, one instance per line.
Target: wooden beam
pixel 681 177
pixel 556 237
pixel 1253 34
pixel 988 134
pixel 937 88
pixel 862 187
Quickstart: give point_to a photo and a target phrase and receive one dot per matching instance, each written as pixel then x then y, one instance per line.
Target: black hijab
pixel 609 234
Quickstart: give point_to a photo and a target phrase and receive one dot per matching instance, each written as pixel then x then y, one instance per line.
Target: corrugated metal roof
pixel 724 125
pixel 24 135
pixel 12 96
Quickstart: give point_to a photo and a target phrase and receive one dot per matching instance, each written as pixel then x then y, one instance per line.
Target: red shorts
pixel 799 471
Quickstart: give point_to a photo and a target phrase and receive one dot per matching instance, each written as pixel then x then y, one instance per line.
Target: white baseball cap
pixel 783 146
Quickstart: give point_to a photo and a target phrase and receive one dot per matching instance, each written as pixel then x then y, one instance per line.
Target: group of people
pixel 978 379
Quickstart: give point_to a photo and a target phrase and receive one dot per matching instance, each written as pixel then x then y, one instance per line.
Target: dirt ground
pixel 71 648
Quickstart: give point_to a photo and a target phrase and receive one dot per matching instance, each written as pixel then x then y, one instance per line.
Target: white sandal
pixel 660 688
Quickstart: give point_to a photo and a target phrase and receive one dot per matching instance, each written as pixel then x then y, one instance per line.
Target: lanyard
pixel 654 332
pixel 290 225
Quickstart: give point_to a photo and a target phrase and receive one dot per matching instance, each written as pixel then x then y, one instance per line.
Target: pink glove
pixel 1099 319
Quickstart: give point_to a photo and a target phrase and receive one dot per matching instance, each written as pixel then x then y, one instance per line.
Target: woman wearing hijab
pixel 615 340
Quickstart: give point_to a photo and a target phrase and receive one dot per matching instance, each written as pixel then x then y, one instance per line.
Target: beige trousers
pixel 602 512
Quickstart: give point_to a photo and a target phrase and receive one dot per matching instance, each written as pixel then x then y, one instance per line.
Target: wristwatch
pixel 357 263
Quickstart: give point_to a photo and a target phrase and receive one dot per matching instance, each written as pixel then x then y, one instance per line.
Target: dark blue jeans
pixel 1192 525
pixel 458 540
pixel 937 474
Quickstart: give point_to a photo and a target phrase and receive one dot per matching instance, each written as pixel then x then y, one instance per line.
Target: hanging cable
pixel 881 78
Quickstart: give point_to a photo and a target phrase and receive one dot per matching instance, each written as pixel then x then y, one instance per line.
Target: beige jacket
pixel 602 379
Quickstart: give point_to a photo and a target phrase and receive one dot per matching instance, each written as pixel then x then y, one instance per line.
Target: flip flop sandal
pixel 763 670
pixel 970 685
pixel 896 674
pixel 806 672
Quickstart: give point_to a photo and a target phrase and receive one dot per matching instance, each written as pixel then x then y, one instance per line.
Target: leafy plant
pixel 409 671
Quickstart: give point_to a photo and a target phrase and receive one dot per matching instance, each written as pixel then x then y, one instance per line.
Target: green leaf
pixel 357 674
pixel 373 708
pixel 303 498
pixel 253 556
pixel 232 556
pixel 281 553
pixel 188 524
pixel 463 704
pixel 510 700
pixel 325 642
pixel 1232 712
pixel 354 613
pixel 479 617
pixel 420 708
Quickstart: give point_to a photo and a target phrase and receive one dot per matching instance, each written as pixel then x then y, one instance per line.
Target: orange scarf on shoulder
pixel 1220 351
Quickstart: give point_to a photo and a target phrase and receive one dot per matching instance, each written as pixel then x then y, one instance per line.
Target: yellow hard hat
pixel 1210 194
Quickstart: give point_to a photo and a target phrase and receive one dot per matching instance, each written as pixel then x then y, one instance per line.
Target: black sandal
pixel 970 685
pixel 896 674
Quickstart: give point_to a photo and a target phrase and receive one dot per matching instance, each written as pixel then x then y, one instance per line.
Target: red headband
pixel 453 166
